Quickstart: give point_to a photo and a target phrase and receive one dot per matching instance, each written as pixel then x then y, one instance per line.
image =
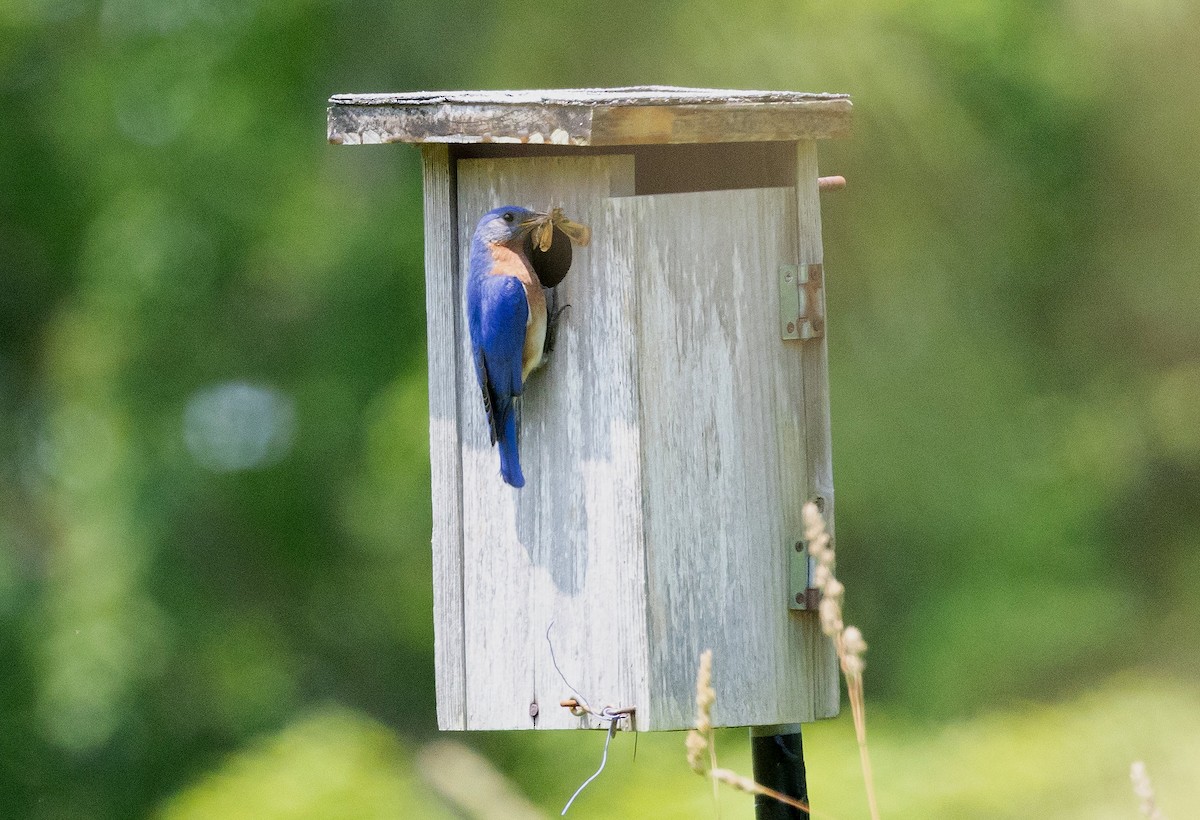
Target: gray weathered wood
pixel 816 364
pixel 567 548
pixel 444 320
pixel 664 449
pixel 731 122
pixel 624 95
pixel 816 361
pixel 668 446
pixel 618 116
pixel 819 442
pixel 723 463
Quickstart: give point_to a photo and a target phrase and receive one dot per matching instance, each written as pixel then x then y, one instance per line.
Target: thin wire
pixel 612 728
pixel 605 714
pixel 554 661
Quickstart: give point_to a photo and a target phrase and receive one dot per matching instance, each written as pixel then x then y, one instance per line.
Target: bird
pixel 506 319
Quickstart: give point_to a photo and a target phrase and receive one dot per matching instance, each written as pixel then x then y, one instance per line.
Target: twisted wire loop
pixel 607 713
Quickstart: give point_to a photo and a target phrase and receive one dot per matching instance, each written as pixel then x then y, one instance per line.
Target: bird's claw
pixel 552 330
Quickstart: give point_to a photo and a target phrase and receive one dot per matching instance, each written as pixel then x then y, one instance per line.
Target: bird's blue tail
pixel 510 459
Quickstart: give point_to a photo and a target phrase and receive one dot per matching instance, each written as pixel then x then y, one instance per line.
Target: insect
pixel 556 222
pixel 551 259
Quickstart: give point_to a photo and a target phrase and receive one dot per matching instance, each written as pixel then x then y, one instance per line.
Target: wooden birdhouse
pixel 677 428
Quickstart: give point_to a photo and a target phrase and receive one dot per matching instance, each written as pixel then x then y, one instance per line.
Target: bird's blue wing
pixel 499 335
pixel 503 316
pixel 499 312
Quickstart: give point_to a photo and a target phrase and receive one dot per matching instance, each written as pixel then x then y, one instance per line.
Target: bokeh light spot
pixel 236 426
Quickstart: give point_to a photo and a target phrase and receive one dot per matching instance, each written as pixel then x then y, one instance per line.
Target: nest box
pixel 677 428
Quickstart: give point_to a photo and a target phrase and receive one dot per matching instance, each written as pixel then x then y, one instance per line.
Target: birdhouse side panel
pixel 816 352
pixel 553 573
pixel 724 465
pixel 443 319
pixel 818 446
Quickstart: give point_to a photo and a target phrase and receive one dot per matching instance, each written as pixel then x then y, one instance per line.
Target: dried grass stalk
pixel 1144 790
pixel 847 639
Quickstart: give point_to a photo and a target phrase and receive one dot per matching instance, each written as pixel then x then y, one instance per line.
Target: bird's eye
pixel 508 217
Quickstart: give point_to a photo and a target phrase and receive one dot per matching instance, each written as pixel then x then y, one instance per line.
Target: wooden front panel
pixel 724 467
pixel 567 548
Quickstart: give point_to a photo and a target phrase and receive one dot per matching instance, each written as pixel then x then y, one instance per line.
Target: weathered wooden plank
pixel 624 95
pixel 722 418
pixel 441 289
pixel 582 117
pixel 567 548
pixel 743 122
pixel 818 439
pixel 816 363
pixel 461 123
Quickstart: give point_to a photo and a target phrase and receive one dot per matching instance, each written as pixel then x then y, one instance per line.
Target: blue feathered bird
pixel 506 316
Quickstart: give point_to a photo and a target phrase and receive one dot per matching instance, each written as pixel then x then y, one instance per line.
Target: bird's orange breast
pixel 508 262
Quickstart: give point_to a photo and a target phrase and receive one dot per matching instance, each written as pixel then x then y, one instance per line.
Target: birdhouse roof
pixel 638 115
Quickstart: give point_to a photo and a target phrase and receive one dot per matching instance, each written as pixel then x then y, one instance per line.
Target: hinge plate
pixel 801 301
pixel 801 594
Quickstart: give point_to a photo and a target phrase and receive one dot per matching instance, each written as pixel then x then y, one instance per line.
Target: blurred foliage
pixel 332 764
pixel 1069 760
pixel 214 513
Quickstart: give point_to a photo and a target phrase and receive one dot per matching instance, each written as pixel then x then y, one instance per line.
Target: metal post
pixel 778 755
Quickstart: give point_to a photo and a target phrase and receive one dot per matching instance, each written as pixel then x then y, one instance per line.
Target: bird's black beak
pixel 533 220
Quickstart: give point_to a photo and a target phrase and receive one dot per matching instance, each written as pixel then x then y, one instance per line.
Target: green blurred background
pixel 214 482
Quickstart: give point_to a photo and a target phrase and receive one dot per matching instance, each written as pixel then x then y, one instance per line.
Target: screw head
pixel 533 709
pixel 791 327
pixel 800 597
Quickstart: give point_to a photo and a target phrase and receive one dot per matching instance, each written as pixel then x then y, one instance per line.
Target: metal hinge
pixel 801 593
pixel 801 301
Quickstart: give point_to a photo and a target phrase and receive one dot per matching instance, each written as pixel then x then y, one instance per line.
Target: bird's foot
pixel 552 330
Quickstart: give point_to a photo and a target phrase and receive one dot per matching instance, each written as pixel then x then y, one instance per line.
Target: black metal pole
pixel 778 755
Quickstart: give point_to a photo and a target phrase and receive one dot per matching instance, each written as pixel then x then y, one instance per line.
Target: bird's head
pixel 502 225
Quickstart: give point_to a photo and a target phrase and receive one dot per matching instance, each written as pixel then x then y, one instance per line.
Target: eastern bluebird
pixel 506 316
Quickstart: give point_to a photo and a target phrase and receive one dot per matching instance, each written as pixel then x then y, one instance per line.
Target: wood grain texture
pixel 723 437
pixel 816 359
pixel 735 122
pixel 567 548
pixel 583 117
pixel 623 95
pixel 445 326
pixel 667 447
pixel 818 438
pixel 351 124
